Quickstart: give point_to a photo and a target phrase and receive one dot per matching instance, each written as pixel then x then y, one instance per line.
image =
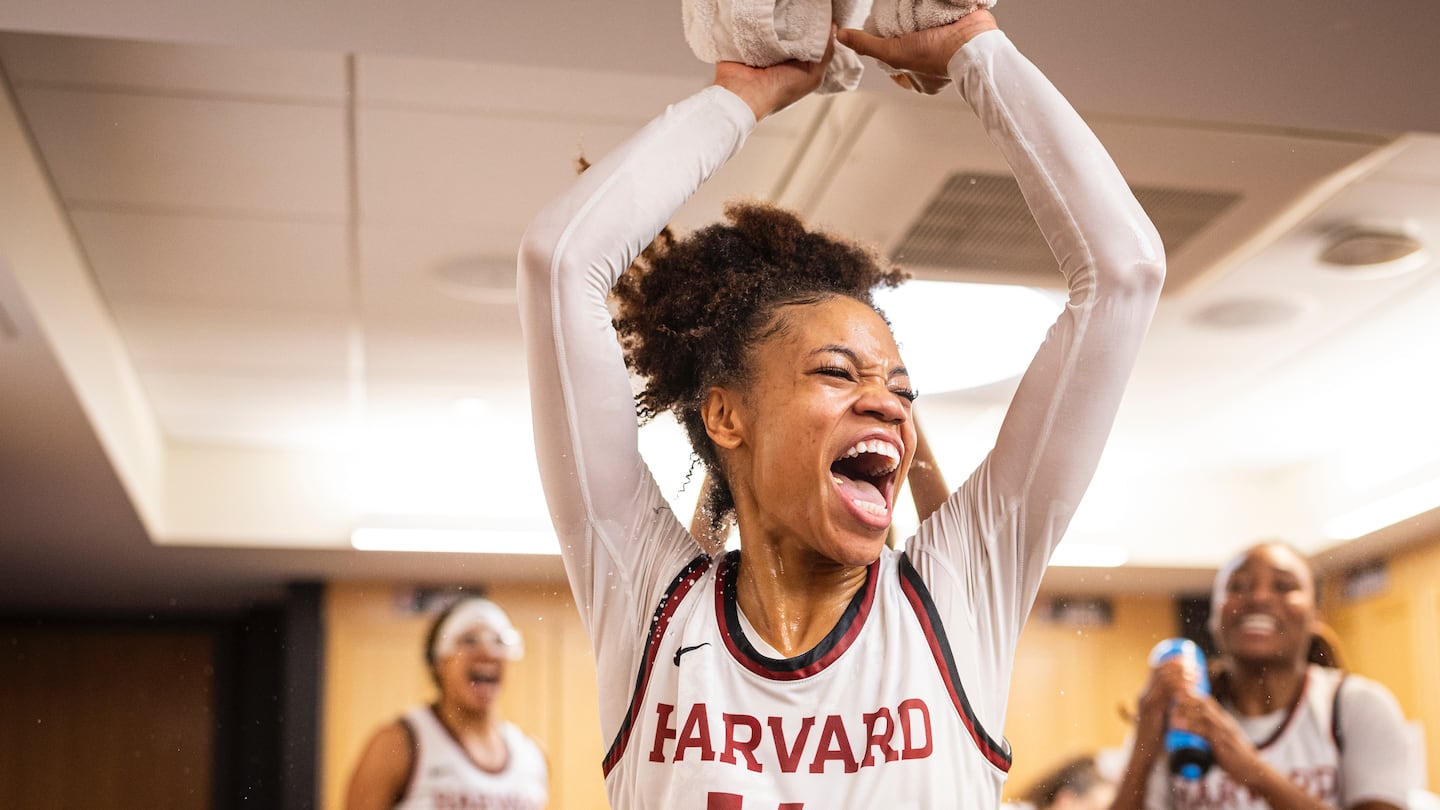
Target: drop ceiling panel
pixel 499 89
pixel 1264 394
pixel 1417 160
pixel 460 349
pixel 406 266
pixel 113 150
pixel 231 341
pixel 169 67
pixel 242 409
pixel 904 152
pixel 209 262
pixel 426 167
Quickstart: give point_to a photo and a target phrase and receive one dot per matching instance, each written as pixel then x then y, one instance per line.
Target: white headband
pixel 467 615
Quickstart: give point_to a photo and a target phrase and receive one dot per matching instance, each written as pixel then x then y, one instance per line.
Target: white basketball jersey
pixel 873 716
pixel 1303 747
pixel 444 777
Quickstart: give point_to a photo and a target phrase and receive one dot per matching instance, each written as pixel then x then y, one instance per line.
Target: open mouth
pixel 1258 623
pixel 478 677
pixel 865 476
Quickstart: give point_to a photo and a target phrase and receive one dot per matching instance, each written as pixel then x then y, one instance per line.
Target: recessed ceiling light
pixel 479 279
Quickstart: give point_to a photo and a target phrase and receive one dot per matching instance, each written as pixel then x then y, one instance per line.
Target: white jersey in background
pixel 1343 742
pixel 903 704
pixel 444 777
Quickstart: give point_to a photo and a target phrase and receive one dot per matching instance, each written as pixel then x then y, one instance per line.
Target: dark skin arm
pixel 1170 691
pixel 927 482
pixel 382 771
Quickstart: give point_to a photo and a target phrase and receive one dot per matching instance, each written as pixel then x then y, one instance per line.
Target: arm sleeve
pixel 1375 760
pixel 984 552
pixel 620 542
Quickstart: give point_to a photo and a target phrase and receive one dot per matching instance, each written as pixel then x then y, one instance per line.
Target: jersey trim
pixel 1289 714
pixel 811 662
pixel 676 593
pixel 1336 735
pixel 465 752
pixel 996 753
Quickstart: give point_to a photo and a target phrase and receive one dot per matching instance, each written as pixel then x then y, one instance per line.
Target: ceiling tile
pixel 243 409
pixel 233 341
pixel 171 67
pixel 426 166
pixel 112 150
pixel 210 262
pixel 386 81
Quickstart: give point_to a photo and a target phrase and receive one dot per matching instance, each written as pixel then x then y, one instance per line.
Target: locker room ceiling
pixel 255 269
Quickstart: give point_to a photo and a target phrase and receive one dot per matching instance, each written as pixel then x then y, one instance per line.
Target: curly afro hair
pixel 689 311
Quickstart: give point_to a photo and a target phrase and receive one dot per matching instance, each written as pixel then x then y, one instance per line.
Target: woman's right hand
pixel 1167 682
pixel 771 89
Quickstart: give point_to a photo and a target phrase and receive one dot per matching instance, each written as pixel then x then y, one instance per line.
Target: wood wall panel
pixel 375 670
pixel 1393 636
pixel 105 718
pixel 1070 683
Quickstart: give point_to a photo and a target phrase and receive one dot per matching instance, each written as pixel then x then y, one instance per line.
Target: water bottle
pixel 1188 755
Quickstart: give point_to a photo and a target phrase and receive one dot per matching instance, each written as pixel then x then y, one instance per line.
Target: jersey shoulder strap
pixel 1336 733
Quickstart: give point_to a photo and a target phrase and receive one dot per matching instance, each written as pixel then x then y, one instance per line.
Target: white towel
pixel 761 33
pixel 891 18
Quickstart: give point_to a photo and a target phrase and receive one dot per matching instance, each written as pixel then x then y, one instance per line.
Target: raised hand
pixel 922 56
pixel 771 89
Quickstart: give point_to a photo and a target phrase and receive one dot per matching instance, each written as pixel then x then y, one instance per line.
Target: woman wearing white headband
pixel 459 751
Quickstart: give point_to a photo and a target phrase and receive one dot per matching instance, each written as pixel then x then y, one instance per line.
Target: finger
pixel 864 43
pixel 903 80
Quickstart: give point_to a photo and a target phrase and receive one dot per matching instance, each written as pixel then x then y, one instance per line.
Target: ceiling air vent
pixel 980 222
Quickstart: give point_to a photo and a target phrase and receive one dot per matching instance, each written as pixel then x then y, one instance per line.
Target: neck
pixel 1257 688
pixel 469 722
pixel 793 598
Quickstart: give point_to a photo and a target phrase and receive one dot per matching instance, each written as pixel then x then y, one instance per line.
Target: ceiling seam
pixel 355 337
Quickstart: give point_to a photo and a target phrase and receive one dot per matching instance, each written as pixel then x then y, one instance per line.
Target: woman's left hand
pixel 922 56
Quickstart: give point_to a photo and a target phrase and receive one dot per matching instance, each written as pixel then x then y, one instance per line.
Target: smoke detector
pixel 1373 251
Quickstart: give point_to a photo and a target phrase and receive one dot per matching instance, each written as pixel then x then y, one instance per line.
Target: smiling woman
pixel 1287 728
pixel 813 666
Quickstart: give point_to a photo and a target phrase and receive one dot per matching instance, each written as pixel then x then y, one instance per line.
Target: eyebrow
pixel 836 348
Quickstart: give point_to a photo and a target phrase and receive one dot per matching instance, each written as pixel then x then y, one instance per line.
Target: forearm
pixel 582 404
pixel 1148 750
pixel 1112 259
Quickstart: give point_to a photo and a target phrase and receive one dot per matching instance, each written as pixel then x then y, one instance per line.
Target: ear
pixel 724 417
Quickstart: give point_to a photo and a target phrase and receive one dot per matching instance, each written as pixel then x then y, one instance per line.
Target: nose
pixel 877 400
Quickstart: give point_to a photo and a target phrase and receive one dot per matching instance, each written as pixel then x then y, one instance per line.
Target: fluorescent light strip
pixel 1384 512
pixel 1089 555
pixel 469 541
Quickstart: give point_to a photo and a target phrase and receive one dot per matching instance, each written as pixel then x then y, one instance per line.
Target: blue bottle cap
pixel 1191 771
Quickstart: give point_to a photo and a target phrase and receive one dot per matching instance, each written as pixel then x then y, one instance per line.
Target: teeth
pixel 1257 621
pixel 872 508
pixel 876 447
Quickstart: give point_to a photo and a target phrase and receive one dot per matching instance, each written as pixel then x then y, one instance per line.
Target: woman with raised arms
pixel 814 667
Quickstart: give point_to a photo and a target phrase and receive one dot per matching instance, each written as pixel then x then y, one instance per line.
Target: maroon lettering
pixel 789 759
pixel 879 740
pixel 908 710
pixel 733 745
pixel 663 731
pixel 733 801
pixel 696 734
pixel 834 747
